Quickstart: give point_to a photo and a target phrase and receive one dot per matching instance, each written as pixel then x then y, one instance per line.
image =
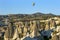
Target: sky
pixel 26 7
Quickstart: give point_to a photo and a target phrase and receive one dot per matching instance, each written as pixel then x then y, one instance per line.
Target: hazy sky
pixel 25 6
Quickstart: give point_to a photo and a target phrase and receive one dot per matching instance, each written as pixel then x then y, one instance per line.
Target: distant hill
pixel 36 15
